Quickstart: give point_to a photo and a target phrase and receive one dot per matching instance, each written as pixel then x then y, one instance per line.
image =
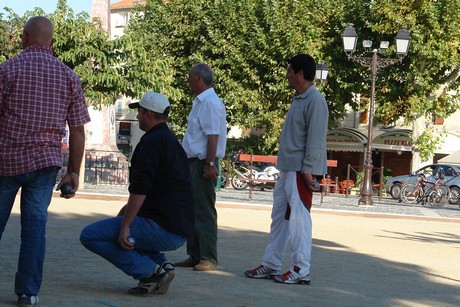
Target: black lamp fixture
pixel 350 39
pixel 321 71
pixel 402 42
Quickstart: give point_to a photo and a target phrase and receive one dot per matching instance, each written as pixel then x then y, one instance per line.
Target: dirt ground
pixel 357 261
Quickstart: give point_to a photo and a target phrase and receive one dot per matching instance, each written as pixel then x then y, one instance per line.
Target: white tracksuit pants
pixel 290 190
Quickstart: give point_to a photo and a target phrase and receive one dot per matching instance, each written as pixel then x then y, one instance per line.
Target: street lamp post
pixel 375 62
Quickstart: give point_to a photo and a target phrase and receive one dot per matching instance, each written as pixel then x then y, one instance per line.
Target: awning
pixel 345 139
pixel 453 158
pixel 394 140
pixel 350 139
pixel 450 144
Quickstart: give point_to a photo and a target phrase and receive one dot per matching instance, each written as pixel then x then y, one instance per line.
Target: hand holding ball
pixel 66 189
pixel 316 187
pixel 131 240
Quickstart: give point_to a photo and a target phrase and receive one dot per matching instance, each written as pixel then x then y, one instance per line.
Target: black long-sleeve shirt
pixel 160 170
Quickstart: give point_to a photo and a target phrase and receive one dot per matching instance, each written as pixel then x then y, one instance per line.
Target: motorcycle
pixel 243 170
pixel 221 181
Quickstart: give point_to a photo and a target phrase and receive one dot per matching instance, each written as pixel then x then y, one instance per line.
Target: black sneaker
pixel 157 284
pixel 27 300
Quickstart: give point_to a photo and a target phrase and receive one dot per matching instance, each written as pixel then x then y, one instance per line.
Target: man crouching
pixel 159 213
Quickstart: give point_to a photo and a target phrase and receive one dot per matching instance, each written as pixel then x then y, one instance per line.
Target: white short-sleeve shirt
pixel 207 117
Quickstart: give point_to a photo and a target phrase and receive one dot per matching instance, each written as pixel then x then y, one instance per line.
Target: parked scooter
pixel 243 170
pixel 222 180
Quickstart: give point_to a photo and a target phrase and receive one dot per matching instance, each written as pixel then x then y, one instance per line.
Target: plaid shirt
pixel 38 95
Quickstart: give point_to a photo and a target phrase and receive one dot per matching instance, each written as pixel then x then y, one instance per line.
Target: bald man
pixel 37 31
pixel 39 95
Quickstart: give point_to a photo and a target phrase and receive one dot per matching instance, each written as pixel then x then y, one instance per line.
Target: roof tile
pixel 126 4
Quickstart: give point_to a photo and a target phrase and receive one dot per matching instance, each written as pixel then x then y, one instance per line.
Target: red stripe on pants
pixel 306 196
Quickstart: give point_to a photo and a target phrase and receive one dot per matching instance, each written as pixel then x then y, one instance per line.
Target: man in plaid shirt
pixel 38 95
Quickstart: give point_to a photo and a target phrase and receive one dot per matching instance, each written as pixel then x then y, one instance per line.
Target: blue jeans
pixel 36 191
pixel 101 238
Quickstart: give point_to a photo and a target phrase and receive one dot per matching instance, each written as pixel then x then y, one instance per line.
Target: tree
pixel 80 43
pixel 426 84
pixel 10 35
pixel 246 42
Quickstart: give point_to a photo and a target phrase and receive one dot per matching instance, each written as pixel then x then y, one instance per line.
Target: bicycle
pixel 433 193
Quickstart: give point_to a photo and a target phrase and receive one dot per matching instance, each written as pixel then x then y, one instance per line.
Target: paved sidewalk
pixel 340 202
pixel 334 202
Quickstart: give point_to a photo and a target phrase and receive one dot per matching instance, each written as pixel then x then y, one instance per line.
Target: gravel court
pixel 359 259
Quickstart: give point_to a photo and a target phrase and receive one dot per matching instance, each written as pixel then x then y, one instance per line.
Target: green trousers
pixel 203 244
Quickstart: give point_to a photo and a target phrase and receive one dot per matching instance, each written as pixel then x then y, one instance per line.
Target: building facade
pixel 392 147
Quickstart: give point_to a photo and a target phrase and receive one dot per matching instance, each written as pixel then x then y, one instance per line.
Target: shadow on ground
pixel 340 277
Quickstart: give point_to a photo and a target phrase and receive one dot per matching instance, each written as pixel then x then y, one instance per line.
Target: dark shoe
pixel 204 266
pixel 27 300
pixel 157 284
pixel 187 263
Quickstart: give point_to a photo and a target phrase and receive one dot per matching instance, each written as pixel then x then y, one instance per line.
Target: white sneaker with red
pixel 293 278
pixel 262 271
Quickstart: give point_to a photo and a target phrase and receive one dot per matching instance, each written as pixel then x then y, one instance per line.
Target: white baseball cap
pixel 152 101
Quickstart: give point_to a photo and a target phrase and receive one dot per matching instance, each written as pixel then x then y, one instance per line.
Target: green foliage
pixel 85 47
pixel 10 35
pixel 80 43
pixel 427 143
pixel 426 84
pixel 247 43
pixel 422 83
pixel 359 182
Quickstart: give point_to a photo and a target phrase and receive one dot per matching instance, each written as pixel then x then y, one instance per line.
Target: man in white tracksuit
pixel 301 157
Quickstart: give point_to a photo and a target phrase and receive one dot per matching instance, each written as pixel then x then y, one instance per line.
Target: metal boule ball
pixel 316 186
pixel 66 188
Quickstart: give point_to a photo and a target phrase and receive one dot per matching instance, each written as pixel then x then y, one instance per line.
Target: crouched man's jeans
pixel 36 191
pixel 150 239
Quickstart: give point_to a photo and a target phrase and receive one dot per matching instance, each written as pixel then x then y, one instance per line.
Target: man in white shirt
pixel 204 142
